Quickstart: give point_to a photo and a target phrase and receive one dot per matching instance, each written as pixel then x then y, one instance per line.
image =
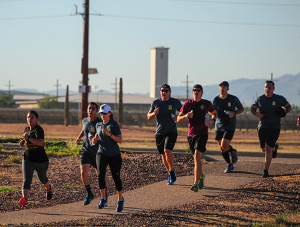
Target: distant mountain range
pixel 248 89
pixel 245 89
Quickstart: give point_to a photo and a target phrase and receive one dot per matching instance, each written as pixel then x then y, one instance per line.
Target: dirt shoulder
pixel 259 202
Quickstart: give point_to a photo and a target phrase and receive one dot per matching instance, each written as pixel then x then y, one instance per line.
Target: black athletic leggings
pixel 115 164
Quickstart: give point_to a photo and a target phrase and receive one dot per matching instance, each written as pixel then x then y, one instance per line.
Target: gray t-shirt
pixel 230 103
pixel 107 146
pixel 267 106
pixel 89 128
pixel 164 121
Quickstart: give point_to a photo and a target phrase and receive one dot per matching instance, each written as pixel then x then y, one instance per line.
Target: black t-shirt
pixel 164 120
pixel 33 152
pixel 230 103
pixel 107 146
pixel 267 106
pixel 89 127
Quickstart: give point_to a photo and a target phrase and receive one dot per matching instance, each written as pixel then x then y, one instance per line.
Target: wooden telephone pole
pixel 85 62
pixel 187 86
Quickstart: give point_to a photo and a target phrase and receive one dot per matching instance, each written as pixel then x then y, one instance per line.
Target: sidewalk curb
pixel 142 150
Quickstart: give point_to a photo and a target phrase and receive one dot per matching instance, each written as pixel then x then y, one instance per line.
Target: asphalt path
pixel 160 195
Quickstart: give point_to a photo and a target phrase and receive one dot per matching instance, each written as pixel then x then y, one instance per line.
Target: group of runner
pixel 100 149
pixel 202 113
pixel 101 137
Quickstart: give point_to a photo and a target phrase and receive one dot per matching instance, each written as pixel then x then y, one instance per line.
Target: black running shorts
pixel 88 158
pixel 224 134
pixel 268 136
pixel 198 143
pixel 165 142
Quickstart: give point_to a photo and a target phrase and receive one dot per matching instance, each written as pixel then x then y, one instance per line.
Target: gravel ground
pixel 64 174
pixel 259 202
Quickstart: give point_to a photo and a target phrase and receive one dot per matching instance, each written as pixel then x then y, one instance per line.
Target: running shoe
pixel 88 199
pixel 274 153
pixel 266 173
pixel 49 193
pixel 172 178
pixel 229 168
pixel 195 187
pixel 201 181
pixel 120 205
pixel 23 202
pixel 103 203
pixel 169 179
pixel 234 156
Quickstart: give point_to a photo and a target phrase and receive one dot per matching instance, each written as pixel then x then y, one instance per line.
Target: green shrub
pixel 6 189
pixel 62 148
pixel 10 140
pixel 282 218
pixel 15 159
pixel 60 143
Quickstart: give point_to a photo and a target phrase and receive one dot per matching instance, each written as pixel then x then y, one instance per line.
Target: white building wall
pixel 158 70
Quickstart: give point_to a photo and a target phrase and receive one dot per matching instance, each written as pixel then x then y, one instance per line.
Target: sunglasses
pixel 164 90
pixel 198 90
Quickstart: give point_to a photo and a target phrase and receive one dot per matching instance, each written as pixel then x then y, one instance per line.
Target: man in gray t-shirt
pixel 269 108
pixel 164 109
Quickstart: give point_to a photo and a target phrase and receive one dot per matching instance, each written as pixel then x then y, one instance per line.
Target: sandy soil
pixel 262 197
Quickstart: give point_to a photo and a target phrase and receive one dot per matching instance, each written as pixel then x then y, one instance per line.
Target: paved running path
pixel 156 196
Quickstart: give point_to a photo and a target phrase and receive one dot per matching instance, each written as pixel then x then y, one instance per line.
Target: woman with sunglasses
pixel 109 135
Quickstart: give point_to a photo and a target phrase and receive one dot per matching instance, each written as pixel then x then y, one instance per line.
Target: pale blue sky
pixel 210 41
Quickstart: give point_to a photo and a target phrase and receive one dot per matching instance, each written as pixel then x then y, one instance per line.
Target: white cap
pixel 105 108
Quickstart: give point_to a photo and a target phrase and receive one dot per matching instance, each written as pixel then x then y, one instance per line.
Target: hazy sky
pixel 211 41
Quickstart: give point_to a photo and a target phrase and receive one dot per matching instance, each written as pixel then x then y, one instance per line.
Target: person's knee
pixel 84 170
pixel 168 152
pixel 268 148
pixel 197 156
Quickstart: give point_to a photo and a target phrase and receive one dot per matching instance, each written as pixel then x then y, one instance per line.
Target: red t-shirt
pixel 200 109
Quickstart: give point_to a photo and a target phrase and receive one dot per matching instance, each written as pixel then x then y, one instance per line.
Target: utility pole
pixel 9 86
pixel 271 76
pixel 116 92
pixel 187 86
pixel 57 86
pixel 85 62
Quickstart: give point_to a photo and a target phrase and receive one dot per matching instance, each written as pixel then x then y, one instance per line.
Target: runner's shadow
pixel 246 172
pixel 58 214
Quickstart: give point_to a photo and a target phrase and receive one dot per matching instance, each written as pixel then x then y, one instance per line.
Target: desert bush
pixel 15 159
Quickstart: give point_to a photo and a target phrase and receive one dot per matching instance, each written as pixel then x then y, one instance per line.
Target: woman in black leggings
pixel 109 135
pixel 34 158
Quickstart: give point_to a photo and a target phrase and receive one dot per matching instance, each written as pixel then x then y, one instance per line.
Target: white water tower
pixel 158 70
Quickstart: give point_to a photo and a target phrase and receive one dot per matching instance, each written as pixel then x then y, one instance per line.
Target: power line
pixel 201 21
pixel 243 3
pixel 36 17
pixel 10 1
pixel 162 19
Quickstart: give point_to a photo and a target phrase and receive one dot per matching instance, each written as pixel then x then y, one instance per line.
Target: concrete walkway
pixel 158 195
